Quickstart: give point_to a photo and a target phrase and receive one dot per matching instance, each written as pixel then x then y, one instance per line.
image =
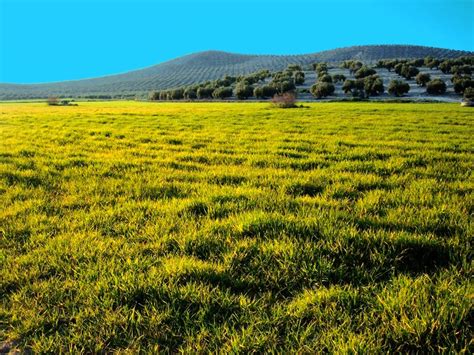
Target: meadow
pixel 236 227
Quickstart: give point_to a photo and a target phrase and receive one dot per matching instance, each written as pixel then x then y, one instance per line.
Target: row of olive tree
pixel 366 83
pixel 217 89
pixel 461 68
pixel 242 87
pixel 461 65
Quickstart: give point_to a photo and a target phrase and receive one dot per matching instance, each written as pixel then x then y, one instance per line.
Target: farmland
pixel 237 227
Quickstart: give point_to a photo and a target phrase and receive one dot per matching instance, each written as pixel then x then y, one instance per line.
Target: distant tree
pixel 422 79
pixel 390 64
pixel 243 91
pixel 398 88
pixel 322 89
pixel 299 78
pixel 373 86
pixel 417 62
pixel 225 81
pixel 409 71
pixel 222 92
pixel 461 69
pixel 258 92
pixel 445 66
pixel 347 86
pixel 190 93
pixel 436 87
pixel 355 66
pixel 321 67
pixel 433 64
pixel 325 78
pixel 398 68
pixel 469 60
pixel 338 78
pixel 204 92
pixel 154 95
pixel 469 93
pixel 354 87
pixel 346 64
pixel 363 72
pixel 163 95
pixel 283 84
pixel 294 67
pixel 461 83
pixel 263 74
pixel 427 61
pixel 282 76
pixel 268 91
pixel 387 64
pixel 177 94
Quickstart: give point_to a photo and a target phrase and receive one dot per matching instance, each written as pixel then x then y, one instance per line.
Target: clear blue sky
pixel 52 40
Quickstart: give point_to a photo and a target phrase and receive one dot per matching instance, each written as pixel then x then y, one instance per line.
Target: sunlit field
pixel 333 227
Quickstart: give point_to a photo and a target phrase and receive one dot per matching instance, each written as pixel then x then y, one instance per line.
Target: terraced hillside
pixel 209 65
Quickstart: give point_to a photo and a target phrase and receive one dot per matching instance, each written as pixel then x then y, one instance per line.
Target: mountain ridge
pixel 209 65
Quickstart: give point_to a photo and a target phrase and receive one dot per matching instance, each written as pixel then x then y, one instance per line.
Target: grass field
pixel 236 227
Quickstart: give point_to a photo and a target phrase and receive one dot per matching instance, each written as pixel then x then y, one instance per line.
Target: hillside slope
pixel 209 65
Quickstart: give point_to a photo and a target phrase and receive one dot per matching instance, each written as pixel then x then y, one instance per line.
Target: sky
pixel 55 40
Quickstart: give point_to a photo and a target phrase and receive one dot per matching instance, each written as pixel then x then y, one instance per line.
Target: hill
pixel 209 65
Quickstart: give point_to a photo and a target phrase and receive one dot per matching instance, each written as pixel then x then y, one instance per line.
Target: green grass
pixel 340 227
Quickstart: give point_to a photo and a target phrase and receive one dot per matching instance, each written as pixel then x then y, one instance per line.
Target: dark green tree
pixel 436 87
pixel 461 69
pixel 417 62
pixel 469 94
pixel 163 95
pixel 422 79
pixel 326 78
pixel 190 93
pixel 409 71
pixel 320 68
pixel 355 66
pixel 354 87
pixel 177 94
pixel 398 68
pixel 398 88
pixel 299 78
pixel 243 90
pixel 262 92
pixel 461 83
pixel 363 72
pixel 294 67
pixel 154 95
pixel 322 89
pixel 204 92
pixel 338 78
pixel 268 91
pixel 445 66
pixel 373 86
pixel 222 92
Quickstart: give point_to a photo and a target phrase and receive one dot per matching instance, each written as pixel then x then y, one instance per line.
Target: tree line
pixel 366 81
